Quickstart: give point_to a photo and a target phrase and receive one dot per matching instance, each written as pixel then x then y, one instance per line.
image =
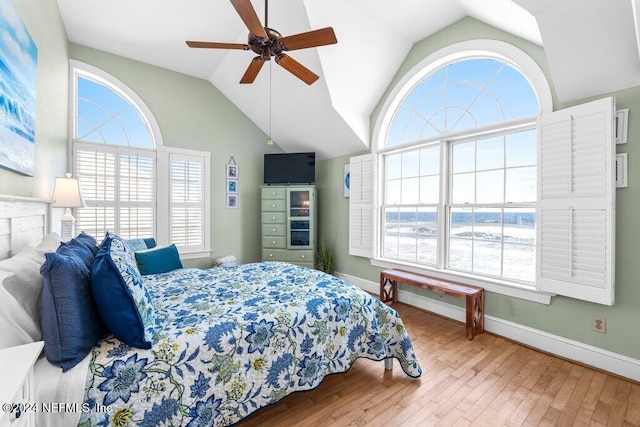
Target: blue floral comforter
pixel 232 340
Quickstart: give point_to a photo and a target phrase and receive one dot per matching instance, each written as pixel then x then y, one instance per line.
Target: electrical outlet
pixel 599 324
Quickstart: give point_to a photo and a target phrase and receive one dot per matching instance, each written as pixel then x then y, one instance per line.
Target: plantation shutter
pixel 576 212
pixel 188 210
pixel 95 168
pixel 137 193
pixel 361 206
pixel 118 186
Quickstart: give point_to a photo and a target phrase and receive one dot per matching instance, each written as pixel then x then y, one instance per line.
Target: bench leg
pixel 388 290
pixel 475 314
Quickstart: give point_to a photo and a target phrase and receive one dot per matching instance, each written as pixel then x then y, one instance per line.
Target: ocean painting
pixel 18 65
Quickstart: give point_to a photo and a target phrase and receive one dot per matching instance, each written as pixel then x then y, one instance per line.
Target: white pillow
pixel 50 243
pixel 18 327
pixel 26 285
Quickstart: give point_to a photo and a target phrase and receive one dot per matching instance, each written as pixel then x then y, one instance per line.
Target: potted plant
pixel 325 258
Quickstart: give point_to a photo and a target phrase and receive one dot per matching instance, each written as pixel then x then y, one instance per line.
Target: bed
pixel 226 342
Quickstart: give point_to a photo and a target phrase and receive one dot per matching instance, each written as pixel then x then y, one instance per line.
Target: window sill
pixel 195 255
pixel 491 285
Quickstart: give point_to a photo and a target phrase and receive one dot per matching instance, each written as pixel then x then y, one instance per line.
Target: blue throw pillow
pixel 122 299
pixel 69 317
pixel 75 247
pixel 141 244
pixel 158 260
pixel 88 241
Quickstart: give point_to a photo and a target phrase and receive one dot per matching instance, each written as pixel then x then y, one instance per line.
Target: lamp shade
pixel 66 193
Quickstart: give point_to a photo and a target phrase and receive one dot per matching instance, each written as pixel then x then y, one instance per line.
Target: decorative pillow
pixel 141 244
pixel 79 249
pixel 158 260
pixel 69 318
pixel 88 241
pixel 122 299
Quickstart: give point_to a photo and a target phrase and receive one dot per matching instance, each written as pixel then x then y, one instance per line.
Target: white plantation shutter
pixel 188 208
pixel 576 214
pixel 137 199
pixel 95 167
pixel 361 206
pixel 118 185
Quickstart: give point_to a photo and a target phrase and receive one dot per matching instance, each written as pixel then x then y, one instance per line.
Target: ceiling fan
pixel 267 42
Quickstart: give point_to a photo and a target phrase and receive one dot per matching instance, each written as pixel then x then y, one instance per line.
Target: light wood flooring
pixel 489 381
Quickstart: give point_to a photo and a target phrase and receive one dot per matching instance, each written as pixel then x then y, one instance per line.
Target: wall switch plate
pixel 599 324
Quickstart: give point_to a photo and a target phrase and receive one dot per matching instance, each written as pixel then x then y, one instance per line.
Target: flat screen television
pixel 290 168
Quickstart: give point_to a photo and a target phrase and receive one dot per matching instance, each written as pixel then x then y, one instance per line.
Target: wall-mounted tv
pixel 290 168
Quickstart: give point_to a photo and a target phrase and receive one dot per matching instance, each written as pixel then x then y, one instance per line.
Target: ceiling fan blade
pixel 253 70
pixel 296 68
pixel 249 17
pixel 212 45
pixel 321 37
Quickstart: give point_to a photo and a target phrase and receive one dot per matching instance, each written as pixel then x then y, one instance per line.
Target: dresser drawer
pixel 274 205
pixel 299 256
pixel 274 255
pixel 269 193
pixel 274 230
pixel 274 242
pixel 273 218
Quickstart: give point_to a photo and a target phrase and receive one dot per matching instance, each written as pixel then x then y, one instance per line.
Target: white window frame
pixel 465 50
pixel 162 156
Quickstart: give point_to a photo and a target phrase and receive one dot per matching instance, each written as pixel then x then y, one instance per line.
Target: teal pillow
pixel 158 260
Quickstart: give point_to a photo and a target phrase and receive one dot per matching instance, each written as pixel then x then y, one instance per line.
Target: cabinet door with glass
pixel 301 217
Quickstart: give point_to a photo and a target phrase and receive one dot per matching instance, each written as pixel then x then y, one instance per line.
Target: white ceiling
pixel 591 46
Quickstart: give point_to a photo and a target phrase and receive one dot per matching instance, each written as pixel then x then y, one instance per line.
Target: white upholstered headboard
pixel 23 221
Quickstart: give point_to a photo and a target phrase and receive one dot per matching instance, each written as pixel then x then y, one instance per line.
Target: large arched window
pixel 129 179
pixel 457 161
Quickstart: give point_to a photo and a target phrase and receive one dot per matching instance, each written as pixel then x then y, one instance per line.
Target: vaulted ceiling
pixel 592 47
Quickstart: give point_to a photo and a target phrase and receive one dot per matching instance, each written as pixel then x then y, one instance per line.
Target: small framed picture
pixel 622 125
pixel 232 201
pixel 232 171
pixel 232 186
pixel 346 180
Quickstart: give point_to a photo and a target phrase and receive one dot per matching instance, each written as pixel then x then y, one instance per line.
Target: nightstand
pixel 16 371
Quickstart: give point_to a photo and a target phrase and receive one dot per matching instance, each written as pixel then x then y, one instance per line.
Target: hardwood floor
pixel 489 381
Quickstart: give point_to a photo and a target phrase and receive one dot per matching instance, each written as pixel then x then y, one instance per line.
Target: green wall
pixel 192 113
pixel 564 317
pixel 47 31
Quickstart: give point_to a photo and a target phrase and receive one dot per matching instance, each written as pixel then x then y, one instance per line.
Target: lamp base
pixel 68 226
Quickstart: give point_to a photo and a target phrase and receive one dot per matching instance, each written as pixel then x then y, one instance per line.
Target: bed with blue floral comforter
pixel 232 340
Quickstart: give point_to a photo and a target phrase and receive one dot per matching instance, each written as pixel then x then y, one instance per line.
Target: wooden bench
pixel 473 296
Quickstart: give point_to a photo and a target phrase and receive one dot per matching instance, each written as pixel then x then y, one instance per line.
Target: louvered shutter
pixel 95 167
pixel 361 206
pixel 137 199
pixel 576 212
pixel 187 201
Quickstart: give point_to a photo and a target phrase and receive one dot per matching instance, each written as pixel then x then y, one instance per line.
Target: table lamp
pixel 66 194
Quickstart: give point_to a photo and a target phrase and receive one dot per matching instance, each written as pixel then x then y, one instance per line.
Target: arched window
pixel 129 179
pixel 457 157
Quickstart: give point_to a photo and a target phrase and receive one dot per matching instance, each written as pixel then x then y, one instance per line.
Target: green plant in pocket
pixel 325 258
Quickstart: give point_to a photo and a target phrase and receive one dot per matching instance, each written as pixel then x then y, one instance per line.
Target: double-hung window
pixel 132 184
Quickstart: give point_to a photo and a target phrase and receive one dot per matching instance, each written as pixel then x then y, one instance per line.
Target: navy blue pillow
pixel 79 249
pixel 88 241
pixel 158 260
pixel 69 318
pixel 123 301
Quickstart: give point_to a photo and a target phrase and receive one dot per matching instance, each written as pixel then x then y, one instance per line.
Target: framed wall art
pixel 18 64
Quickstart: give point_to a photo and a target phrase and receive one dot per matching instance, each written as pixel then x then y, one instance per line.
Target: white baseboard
pixel 569 349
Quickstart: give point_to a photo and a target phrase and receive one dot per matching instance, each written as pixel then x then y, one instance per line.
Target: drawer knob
pixel 273 205
pixel 274 242
pixel 273 193
pixel 270 255
pixel 302 256
pixel 273 217
pixel 274 230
